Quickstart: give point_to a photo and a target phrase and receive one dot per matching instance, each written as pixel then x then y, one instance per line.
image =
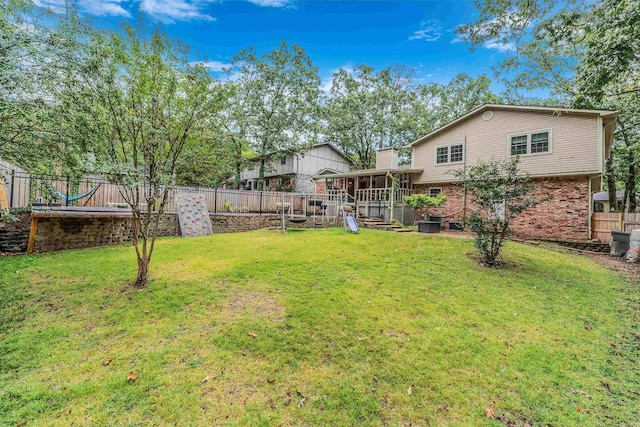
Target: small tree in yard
pixel 142 102
pixel 419 201
pixel 502 192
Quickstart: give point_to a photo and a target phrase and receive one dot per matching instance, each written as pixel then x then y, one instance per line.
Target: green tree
pixel 502 192
pixel 367 111
pixel 33 63
pixel 142 102
pixel 277 102
pixel 441 104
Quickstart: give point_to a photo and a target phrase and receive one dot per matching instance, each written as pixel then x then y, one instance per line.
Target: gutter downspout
pixel 590 201
pixel 464 189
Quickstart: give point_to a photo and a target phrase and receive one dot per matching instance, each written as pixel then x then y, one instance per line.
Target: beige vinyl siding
pixel 574 144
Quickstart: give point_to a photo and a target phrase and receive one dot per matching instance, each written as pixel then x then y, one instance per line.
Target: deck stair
pixel 379 224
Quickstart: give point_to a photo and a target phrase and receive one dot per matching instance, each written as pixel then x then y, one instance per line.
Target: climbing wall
pixel 193 215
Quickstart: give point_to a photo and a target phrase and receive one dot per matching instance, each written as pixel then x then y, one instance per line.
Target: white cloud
pixel 216 66
pixel 92 7
pixel 271 3
pixel 499 46
pixel 170 11
pixel 430 31
pixel 105 8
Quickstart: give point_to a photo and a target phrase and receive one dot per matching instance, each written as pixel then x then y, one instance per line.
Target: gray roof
pixel 603 196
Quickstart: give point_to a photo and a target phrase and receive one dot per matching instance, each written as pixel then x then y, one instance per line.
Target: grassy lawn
pixel 317 327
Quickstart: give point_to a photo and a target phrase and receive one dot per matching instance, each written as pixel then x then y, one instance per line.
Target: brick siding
pixel 564 217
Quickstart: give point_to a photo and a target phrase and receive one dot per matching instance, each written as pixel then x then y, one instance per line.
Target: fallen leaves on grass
pixel 584 393
pixel 491 412
pixel 410 390
pixel 252 334
pixel 271 380
pixel 206 379
pixel 132 377
pixel 106 362
pixel 579 408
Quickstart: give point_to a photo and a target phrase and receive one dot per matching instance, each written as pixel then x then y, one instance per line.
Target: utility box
pixel 619 243
pixel 455 225
pixel 428 226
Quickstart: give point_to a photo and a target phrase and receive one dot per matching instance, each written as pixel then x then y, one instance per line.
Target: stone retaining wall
pixel 14 235
pixel 55 234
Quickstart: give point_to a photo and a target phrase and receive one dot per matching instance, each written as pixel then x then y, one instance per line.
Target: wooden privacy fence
pixel 602 224
pixel 23 190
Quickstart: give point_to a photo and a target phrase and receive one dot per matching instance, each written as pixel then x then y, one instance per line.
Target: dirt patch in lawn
pixel 253 304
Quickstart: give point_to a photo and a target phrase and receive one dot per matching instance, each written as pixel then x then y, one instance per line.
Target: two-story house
pixel 564 151
pixel 294 170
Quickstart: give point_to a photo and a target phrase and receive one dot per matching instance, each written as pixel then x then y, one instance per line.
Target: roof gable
pixel 558 111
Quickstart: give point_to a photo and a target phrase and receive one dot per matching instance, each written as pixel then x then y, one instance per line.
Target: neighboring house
pixel 601 201
pixel 564 151
pixel 294 170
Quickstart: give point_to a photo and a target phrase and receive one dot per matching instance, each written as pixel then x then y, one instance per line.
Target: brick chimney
pixel 387 158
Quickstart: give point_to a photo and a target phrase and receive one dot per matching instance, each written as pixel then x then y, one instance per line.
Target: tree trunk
pixel 630 185
pixel 261 175
pixel 143 273
pixel 611 183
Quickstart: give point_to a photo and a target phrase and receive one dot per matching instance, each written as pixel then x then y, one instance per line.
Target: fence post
pixel 621 221
pixel 12 186
pixel 261 203
pixel 66 199
pixel 215 200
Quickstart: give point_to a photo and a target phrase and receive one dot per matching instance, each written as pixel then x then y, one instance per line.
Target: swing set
pixel 321 210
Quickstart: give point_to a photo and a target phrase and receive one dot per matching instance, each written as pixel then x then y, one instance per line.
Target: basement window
pixel 433 192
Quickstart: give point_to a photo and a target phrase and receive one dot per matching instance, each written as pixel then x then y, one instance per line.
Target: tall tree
pixel 369 110
pixel 142 102
pixel 33 44
pixel 442 103
pixel 277 102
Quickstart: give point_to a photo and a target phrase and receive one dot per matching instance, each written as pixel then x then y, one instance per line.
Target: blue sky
pixel 334 33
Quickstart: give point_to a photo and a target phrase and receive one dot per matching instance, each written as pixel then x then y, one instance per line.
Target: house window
pixel 252 166
pixel 455 153
pixel 442 155
pixel 540 142
pixel 498 210
pixel 433 192
pixel 329 183
pixel 518 145
pixel 530 143
pixel 283 160
pixel 450 154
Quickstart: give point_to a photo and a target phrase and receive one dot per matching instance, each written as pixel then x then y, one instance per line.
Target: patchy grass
pixel 317 327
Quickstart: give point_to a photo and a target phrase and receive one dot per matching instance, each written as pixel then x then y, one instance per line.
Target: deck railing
pixel 382 194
